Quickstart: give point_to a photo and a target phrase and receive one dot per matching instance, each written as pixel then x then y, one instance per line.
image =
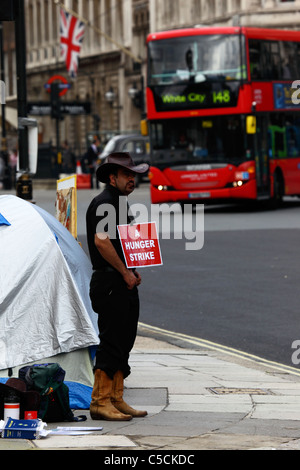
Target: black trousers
pixel 118 313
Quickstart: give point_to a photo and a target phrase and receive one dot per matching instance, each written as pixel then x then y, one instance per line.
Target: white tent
pixel 45 311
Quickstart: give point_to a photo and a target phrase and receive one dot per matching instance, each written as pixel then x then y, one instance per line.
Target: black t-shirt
pixel 106 211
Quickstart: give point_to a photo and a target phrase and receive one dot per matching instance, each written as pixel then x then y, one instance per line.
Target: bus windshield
pixel 217 139
pixel 196 59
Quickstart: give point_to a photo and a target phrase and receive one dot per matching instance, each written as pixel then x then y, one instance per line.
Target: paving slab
pixel 89 441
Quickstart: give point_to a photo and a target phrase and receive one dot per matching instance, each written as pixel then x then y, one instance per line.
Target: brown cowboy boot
pixel 117 397
pixel 101 406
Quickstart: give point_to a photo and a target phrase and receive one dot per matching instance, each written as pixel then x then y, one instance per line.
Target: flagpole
pixel 97 30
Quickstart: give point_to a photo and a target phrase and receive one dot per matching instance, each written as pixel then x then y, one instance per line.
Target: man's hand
pixel 138 277
pixel 132 279
pixel 106 249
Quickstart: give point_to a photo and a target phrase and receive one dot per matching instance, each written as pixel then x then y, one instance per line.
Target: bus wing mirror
pixel 144 127
pixel 251 125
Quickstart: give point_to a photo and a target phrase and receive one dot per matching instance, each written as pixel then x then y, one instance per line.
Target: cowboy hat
pixel 121 159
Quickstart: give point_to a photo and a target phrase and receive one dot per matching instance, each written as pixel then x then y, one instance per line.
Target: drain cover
pixel 240 391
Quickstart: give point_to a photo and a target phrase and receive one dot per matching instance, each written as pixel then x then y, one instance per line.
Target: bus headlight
pixel 237 184
pixel 163 187
pixel 240 177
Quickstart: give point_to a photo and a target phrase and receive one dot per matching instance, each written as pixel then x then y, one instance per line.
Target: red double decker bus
pixel 223 114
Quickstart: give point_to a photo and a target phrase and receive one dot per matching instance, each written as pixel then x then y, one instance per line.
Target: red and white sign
pixel 140 245
pixel 63 84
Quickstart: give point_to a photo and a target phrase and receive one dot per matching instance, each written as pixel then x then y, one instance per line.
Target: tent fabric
pixel 78 262
pixel 42 312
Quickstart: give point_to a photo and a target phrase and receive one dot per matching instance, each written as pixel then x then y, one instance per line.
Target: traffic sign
pixel 63 84
pixel 72 108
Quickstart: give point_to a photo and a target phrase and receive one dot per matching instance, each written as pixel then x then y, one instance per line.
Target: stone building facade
pixel 103 66
pixel 113 54
pixel 169 14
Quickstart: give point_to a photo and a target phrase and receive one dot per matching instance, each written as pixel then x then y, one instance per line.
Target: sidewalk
pixel 197 399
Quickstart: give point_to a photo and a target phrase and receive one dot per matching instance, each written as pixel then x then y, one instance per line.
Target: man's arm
pixel 108 252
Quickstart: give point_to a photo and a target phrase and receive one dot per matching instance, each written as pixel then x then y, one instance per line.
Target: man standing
pixel 113 289
pixel 92 157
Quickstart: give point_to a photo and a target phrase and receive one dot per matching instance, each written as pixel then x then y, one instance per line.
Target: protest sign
pixel 140 245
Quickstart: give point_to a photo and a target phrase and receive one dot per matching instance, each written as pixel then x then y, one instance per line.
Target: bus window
pixel 273 60
pixel 293 141
pixel 157 136
pixel 278 141
pixel 284 136
pixel 218 139
pixel 287 57
pixel 196 59
pixel 255 54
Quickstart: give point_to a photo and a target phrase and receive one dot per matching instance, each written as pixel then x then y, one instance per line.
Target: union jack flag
pixel 71 37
